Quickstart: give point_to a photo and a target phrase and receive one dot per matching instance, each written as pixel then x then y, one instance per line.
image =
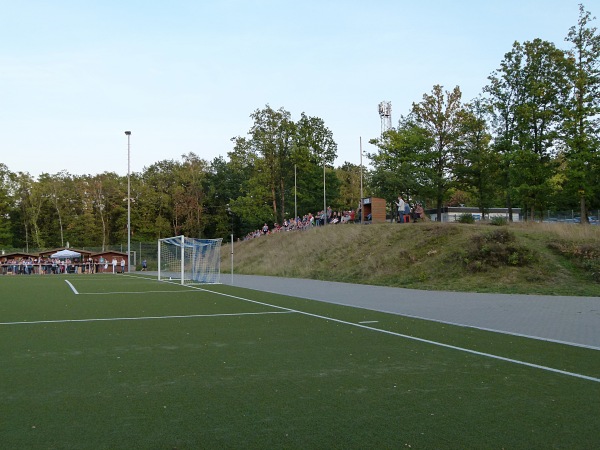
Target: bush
pixel 498 221
pixel 585 256
pixel 496 249
pixel 466 218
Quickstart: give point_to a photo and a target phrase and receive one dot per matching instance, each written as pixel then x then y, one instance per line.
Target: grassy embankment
pixel 516 258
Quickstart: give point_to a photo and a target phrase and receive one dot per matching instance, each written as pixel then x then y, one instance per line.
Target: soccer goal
pixel 189 260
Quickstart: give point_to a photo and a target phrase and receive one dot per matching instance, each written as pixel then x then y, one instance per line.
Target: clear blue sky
pixel 184 76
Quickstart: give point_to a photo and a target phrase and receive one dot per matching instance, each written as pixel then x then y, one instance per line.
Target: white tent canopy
pixel 64 254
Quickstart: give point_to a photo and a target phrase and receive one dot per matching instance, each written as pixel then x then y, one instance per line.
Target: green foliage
pixel 495 249
pixel 6 207
pixel 528 96
pixel 403 163
pixel 279 153
pixel 466 218
pixel 440 113
pixel 476 164
pixel 498 221
pixel 583 255
pixel 581 124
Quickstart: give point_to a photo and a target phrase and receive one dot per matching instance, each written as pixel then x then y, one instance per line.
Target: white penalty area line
pixel 413 338
pixel 136 292
pixel 72 287
pixel 76 292
pixel 116 319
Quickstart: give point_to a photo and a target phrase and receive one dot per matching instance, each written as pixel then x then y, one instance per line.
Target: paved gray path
pixel 573 320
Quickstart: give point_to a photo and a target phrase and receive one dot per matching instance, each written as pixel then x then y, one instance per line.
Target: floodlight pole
pixel 361 180
pixel 128 134
pixel 324 197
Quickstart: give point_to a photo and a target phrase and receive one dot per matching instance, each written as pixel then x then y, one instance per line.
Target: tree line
pixel 529 140
pixel 276 170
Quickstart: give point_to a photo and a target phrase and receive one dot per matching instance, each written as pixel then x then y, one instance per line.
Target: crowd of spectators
pixel 305 222
pixel 47 266
pixel 27 266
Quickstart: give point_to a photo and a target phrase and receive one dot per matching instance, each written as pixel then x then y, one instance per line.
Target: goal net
pixel 189 260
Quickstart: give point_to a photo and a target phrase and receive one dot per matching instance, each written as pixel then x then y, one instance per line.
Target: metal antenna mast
pixel 385 113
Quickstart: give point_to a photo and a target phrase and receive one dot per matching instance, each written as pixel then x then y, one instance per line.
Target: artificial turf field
pixel 123 362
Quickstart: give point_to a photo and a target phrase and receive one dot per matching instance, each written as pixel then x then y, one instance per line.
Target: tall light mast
pixel 385 114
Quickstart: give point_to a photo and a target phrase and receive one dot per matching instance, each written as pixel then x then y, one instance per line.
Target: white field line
pixel 122 292
pixel 493 330
pixel 72 287
pixel 426 341
pixel 114 319
pixel 135 292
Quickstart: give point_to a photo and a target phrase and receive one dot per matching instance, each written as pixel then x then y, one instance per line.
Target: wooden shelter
pixel 103 261
pixel 373 210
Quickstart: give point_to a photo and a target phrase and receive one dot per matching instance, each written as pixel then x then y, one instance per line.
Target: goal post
pixel 189 260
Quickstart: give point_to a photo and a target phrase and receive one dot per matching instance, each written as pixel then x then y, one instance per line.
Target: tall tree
pixel 528 94
pixel 314 153
pixel 272 138
pixel 539 117
pixel 274 151
pixel 505 92
pixel 440 114
pixel 6 207
pixel 403 164
pixel 58 191
pixel 476 165
pixel 349 176
pixel 189 195
pixel 582 124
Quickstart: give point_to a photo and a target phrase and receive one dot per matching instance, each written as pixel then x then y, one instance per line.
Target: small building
pixel 103 261
pixel 453 213
pixel 374 210
pixel 17 262
pixel 18 256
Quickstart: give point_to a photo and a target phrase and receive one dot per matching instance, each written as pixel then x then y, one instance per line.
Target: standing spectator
pixel 400 207
pixel 122 265
pixel 114 264
pixel 144 265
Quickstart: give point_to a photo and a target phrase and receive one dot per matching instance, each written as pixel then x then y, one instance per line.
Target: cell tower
pixel 385 113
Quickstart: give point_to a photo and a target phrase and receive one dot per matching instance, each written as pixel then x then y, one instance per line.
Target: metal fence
pixel 569 216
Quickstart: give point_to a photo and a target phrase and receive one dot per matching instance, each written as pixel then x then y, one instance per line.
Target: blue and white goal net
pixel 189 260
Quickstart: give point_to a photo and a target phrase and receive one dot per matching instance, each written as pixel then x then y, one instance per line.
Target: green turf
pixel 229 378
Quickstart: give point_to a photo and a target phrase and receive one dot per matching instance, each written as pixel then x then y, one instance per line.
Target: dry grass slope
pixel 517 258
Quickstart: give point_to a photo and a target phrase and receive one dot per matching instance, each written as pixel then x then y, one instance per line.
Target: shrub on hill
pixel 495 249
pixel 585 256
pixel 499 221
pixel 466 218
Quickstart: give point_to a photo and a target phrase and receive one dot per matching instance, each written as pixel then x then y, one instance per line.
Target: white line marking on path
pixel 115 319
pixel 426 341
pixel 493 330
pixel 72 287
